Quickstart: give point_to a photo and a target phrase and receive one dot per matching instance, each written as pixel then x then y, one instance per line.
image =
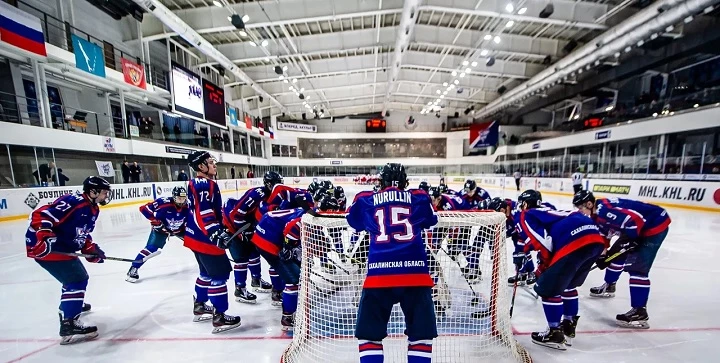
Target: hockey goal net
pixel 468 259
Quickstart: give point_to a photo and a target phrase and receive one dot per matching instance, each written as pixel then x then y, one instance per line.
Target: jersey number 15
pixel 398 217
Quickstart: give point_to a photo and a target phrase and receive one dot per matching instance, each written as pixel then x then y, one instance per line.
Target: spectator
pixel 182 176
pixel 42 175
pixel 250 174
pixel 125 169
pixel 178 133
pixel 517 175
pixel 135 172
pixel 232 172
pixel 60 176
pixel 166 132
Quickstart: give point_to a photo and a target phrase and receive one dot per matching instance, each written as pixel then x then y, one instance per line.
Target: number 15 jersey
pixel 394 220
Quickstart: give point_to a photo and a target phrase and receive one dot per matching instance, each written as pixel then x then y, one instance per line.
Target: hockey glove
pixel 160 229
pixel 91 248
pixel 44 244
pixel 156 223
pixel 622 246
pixel 601 263
pixel 221 238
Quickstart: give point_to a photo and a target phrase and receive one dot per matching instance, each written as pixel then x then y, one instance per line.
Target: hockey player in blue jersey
pixel 642 228
pixel 243 215
pixel 472 194
pixel 424 186
pixel 167 217
pixel 397 266
pixel 569 243
pixel 281 195
pixel 208 239
pixel 340 197
pixel 523 261
pixel 64 226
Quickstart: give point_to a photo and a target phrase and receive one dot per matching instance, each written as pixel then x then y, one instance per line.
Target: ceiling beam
pixel 402 39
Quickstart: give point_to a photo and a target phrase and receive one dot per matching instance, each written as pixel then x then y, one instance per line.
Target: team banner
pixel 88 56
pixel 289 126
pixel 21 29
pixel 232 112
pixel 484 134
pixel 105 169
pixel 134 73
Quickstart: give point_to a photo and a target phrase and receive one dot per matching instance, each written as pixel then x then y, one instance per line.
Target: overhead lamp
pixel 442 96
pixel 237 21
pixel 509 24
pixel 267 59
pixel 264 43
pixel 696 105
pixel 294 80
pixel 284 68
pixel 484 52
pixel 292 88
pixel 456 82
pixel 445 92
pixel 445 84
pixel 217 3
pixel 669 28
pixel 474 64
pixel 628 49
pixel 468 70
pixel 430 103
pixel 487 37
pixel 522 11
pixel 437 101
pixel 253 43
pixel 465 63
pixel 496 39
pixel 438 91
pixel 229 18
pixel 281 77
pixel 449 87
pixel 462 74
pixel 246 18
pixel 242 33
pixel 302 89
pixel 509 8
pixel 452 86
pixel 285 80
pixel 454 73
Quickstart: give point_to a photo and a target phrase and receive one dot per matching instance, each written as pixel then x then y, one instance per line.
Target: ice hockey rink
pixel 152 319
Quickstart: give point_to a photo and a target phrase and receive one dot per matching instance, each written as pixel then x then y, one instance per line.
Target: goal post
pixel 468 260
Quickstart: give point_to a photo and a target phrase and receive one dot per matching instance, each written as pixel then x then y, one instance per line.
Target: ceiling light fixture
pixel 510 8
pixel 522 11
pixel 284 68
pixel 246 18
pixel 496 39
pixel 456 82
pixel 465 63
pixel 468 70
pixel 217 3
pixel 438 91
pixel 509 24
pixel 484 52
pixel 445 84
pixel 462 74
pixel 487 37
pixel 253 43
pixel 474 64
pixel 454 73
pixel 242 33
pixel 264 43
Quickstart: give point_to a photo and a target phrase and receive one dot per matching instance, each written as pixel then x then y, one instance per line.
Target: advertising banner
pixel 289 126
pixel 484 134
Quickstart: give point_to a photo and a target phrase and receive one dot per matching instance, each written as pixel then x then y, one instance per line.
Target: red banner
pixel 134 73
pixel 248 122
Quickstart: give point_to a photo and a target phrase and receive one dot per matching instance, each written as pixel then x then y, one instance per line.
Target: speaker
pixel 237 22
pixel 260 98
pixel 467 111
pixel 502 89
pixel 547 60
pixel 572 44
pixel 278 70
pixel 387 113
pixel 304 115
pixel 457 114
pixel 549 10
pixel 490 62
pixel 221 71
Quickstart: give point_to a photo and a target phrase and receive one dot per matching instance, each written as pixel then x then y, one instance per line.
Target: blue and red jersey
pixel 479 196
pixel 244 213
pixel 283 197
pixel 70 219
pixel 275 227
pixel 557 234
pixel 450 202
pixel 394 219
pixel 164 210
pixel 205 217
pixel 633 218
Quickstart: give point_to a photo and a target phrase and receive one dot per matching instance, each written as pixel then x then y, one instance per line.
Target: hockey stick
pixel 76 254
pixel 515 286
pixel 614 256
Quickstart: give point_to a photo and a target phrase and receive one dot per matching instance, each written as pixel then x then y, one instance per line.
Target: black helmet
pixel 319 195
pixel 582 197
pixel 470 185
pixel 496 204
pixel 178 192
pixel 96 184
pixel 442 188
pixel 271 179
pixel 327 185
pixel 197 158
pixel 424 186
pixel 531 197
pixel 329 204
pixel 435 192
pixel 339 192
pixel 313 187
pixel 393 175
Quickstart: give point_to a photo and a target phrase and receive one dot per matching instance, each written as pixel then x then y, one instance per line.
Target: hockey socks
pixel 553 307
pixel 201 288
pixel 370 352
pixel 419 351
pixel 529 265
pixel 145 252
pixel 71 300
pixel 217 292
pixel 613 271
pixel 254 265
pixel 240 273
pixel 639 290
pixel 290 298
pixel 276 281
pixel 570 303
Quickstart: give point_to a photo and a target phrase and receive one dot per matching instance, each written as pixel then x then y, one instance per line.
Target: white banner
pixel 296 127
pixel 105 169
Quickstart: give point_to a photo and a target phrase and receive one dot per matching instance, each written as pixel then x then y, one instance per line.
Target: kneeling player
pixel 472 194
pixel 524 264
pixel 64 226
pixel 569 243
pixel 167 217
pixel 643 228
pixel 397 266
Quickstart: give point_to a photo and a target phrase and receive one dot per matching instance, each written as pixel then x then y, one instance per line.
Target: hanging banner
pixel 289 126
pixel 232 112
pixel 248 122
pixel 105 169
pixel 134 73
pixel 88 56
pixel 21 29
pixel 484 134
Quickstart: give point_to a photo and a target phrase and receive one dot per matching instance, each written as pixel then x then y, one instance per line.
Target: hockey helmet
pixel 470 185
pixel 329 204
pixel 339 192
pixel 442 188
pixel 393 175
pixel 583 197
pixel 271 179
pixel 197 158
pixel 424 186
pixel 319 195
pixel 327 185
pixel 531 197
pixel 179 195
pixel 96 184
pixel 497 204
pixel 434 192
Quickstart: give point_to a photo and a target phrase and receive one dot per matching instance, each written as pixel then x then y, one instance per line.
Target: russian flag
pixel 271 132
pixel 21 29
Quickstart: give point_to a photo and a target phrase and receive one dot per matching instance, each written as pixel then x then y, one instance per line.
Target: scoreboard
pixel 375 125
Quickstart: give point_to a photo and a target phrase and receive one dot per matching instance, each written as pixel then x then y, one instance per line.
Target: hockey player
pixel 569 243
pixel 524 264
pixel 281 195
pixel 424 186
pixel 397 266
pixel 313 187
pixel 472 194
pixel 340 197
pixel 208 239
pixel 64 226
pixel 167 217
pixel 577 181
pixel 242 215
pixel 642 228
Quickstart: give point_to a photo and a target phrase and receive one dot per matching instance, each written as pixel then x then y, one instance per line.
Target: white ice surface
pixel 151 320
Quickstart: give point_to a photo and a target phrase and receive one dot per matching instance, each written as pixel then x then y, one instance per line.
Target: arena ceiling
pixel 359 56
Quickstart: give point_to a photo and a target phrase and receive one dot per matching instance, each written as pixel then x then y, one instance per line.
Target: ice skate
pixel 568 327
pixel 604 291
pixel 86 308
pixel 72 331
pixel 261 286
pixel 523 279
pixel 287 322
pixel 201 311
pixel 132 275
pixel 244 296
pixel 223 322
pixel 551 338
pixel 472 276
pixel 636 318
pixel 276 298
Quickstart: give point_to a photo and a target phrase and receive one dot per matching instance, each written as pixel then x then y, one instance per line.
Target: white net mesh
pixel 468 260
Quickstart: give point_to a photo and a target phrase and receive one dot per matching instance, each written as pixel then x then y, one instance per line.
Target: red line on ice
pixel 622 330
pixel 26 355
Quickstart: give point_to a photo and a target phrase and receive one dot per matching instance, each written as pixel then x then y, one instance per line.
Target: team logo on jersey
pixel 175 224
pixel 81 235
pixel 32 201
